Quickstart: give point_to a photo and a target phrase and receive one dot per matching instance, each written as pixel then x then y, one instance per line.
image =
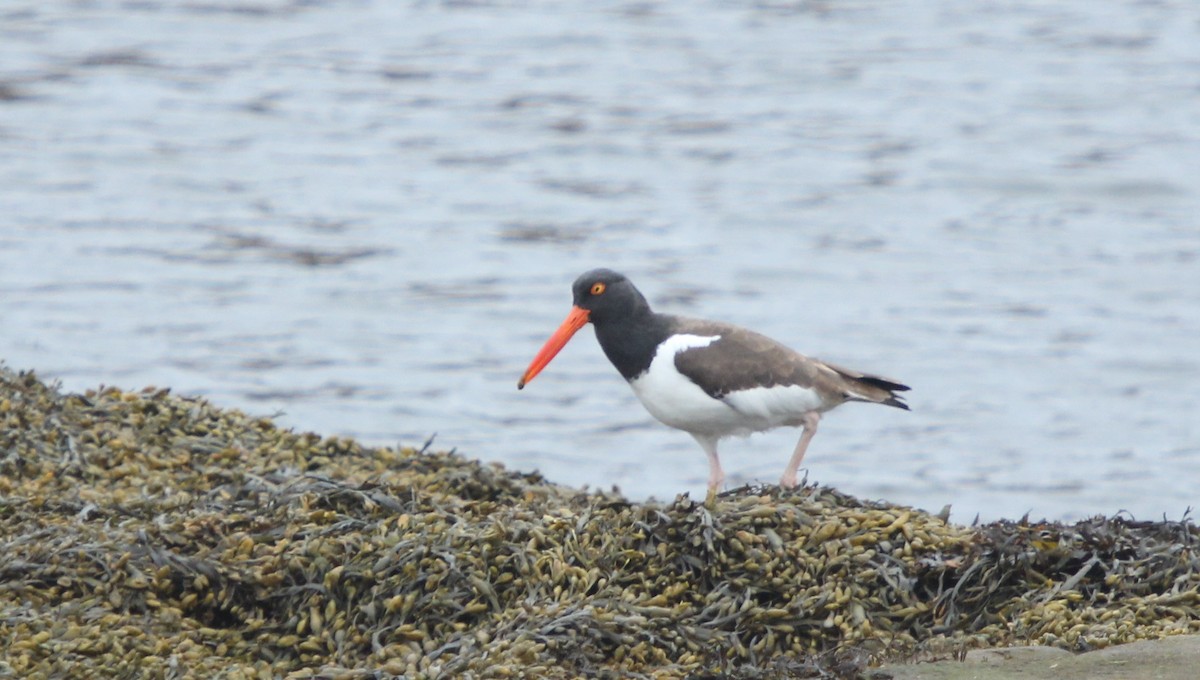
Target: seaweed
pixel 147 534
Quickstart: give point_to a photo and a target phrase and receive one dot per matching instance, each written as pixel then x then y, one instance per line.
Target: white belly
pixel 675 400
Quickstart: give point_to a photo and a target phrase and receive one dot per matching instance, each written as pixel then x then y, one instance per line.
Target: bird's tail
pixel 888 387
pixel 872 388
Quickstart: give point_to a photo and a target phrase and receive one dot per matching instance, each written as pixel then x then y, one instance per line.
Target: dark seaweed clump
pixel 148 535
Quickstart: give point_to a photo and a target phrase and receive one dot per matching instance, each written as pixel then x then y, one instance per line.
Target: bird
pixel 708 378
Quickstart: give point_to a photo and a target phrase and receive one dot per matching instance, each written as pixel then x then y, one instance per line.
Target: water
pixel 365 217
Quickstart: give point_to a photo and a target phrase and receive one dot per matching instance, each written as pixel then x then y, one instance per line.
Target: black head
pixel 608 295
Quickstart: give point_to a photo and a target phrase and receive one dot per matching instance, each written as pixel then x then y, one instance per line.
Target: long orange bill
pixel 577 319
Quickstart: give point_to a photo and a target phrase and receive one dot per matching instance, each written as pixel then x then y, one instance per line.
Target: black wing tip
pixel 891 386
pixel 884 383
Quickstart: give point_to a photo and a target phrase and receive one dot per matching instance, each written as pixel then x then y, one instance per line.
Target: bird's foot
pixel 710 502
pixel 791 480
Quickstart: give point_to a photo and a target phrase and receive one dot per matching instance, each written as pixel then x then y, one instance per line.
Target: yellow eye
pixel 597 288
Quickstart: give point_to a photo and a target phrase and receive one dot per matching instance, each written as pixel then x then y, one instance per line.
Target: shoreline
pixel 145 532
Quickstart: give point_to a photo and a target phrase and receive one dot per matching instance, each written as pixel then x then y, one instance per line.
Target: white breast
pixel 675 400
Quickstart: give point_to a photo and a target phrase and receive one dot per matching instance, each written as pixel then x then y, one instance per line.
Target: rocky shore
pixel 144 534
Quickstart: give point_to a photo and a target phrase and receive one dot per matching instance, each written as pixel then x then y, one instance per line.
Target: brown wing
pixel 743 359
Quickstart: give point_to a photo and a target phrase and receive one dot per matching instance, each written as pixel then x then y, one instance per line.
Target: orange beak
pixel 577 319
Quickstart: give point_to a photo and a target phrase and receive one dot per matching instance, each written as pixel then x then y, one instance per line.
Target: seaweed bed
pixel 148 535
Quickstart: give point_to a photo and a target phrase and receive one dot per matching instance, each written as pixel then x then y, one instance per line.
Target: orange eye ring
pixel 597 288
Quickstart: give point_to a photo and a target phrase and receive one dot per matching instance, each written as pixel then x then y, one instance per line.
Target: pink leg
pixel 788 480
pixel 716 476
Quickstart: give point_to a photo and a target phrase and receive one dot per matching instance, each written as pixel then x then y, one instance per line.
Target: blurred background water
pixel 365 217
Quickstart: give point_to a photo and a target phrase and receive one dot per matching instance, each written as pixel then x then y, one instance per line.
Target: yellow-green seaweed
pixel 148 535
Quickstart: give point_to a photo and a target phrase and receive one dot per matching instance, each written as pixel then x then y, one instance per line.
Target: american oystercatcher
pixel 707 378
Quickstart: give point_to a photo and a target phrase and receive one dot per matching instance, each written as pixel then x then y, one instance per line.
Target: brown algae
pixel 148 535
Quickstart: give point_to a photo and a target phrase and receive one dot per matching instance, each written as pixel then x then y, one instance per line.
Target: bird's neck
pixel 630 342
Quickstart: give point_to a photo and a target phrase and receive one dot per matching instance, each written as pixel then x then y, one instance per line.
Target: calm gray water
pixel 366 216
